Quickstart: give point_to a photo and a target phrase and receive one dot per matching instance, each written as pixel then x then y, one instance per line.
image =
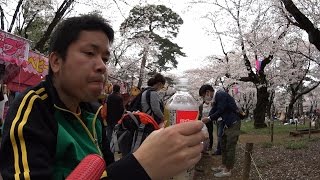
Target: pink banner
pixel 37 64
pixel 13 49
pixel 258 64
pixel 235 89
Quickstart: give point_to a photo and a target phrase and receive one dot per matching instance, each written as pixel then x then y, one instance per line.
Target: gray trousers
pixel 228 144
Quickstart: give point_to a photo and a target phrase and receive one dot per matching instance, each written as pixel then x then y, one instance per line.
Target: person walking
pixel 115 107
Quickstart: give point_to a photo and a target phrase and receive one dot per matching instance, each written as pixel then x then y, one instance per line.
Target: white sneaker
pixel 217 169
pixel 223 174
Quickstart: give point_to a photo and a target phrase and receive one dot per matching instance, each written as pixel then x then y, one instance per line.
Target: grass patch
pixel 266 145
pixel 296 145
pixel 314 139
pixel 247 127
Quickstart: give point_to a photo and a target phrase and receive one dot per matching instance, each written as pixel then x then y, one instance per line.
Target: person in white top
pixel 206 107
pixel 3 101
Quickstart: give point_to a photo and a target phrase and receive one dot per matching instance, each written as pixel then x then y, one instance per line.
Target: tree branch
pixel 1 18
pixel 307 91
pixel 304 23
pixel 15 15
pixel 58 16
pixel 29 24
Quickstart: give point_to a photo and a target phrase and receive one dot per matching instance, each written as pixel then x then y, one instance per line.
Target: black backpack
pixel 135 104
pixel 131 130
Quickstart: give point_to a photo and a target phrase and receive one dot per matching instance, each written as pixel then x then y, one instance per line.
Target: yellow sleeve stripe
pixel 24 115
pixel 104 174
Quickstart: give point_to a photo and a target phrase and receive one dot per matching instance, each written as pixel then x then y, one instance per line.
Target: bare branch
pixel 15 15
pixel 59 14
pixel 304 23
pixel 1 18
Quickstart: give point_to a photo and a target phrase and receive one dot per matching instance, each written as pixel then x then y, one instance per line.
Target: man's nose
pixel 101 66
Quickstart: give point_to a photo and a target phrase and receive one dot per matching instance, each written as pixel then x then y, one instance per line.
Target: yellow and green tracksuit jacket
pixel 42 139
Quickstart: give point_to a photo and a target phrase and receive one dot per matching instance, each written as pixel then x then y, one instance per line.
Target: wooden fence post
pixel 247 161
pixel 310 129
pixel 272 132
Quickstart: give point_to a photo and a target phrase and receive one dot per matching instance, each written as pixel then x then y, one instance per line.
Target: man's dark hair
pixel 116 88
pixel 204 88
pixel 156 79
pixel 69 29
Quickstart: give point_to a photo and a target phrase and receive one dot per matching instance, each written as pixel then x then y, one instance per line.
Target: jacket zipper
pixel 93 136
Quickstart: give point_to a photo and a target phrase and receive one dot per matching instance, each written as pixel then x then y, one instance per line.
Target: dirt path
pixel 274 162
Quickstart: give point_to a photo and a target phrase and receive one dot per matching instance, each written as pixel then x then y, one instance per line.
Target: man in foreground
pixel 50 128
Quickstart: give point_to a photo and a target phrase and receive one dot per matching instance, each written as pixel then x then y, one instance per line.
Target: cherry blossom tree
pixel 256 31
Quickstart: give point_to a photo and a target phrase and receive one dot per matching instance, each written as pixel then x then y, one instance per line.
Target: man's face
pixel 208 96
pixel 81 76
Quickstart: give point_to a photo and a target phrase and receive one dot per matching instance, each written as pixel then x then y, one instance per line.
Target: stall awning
pixel 13 49
pixel 18 78
pixel 23 80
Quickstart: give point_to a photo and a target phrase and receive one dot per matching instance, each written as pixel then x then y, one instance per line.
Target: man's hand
pixel 169 151
pixel 205 120
pixel 161 125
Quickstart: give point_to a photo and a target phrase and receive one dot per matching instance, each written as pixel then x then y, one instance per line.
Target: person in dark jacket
pixel 224 106
pixel 51 127
pixel 115 107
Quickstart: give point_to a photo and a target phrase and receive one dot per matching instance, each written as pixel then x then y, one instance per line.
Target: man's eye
pixel 105 60
pixel 89 53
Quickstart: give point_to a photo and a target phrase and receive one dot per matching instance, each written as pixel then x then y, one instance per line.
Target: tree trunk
pixel 290 110
pixel 269 113
pixel 300 107
pixel 142 66
pixel 260 110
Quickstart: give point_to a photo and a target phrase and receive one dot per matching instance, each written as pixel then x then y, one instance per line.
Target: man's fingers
pixel 193 155
pixel 189 128
pixel 195 139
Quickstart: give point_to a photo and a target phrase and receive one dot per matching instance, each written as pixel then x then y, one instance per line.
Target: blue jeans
pixel 210 131
pixel 220 133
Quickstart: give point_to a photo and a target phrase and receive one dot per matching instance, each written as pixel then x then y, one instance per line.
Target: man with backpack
pixel 144 115
pixel 150 100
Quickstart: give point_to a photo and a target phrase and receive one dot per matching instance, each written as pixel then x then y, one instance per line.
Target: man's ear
pixel 55 62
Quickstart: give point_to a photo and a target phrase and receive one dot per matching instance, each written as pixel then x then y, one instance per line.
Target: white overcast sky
pixel 192 36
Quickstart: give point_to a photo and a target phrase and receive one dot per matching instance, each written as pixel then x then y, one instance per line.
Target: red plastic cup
pixel 90 168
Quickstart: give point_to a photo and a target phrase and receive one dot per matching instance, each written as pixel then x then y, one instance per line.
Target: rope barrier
pixel 253 161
